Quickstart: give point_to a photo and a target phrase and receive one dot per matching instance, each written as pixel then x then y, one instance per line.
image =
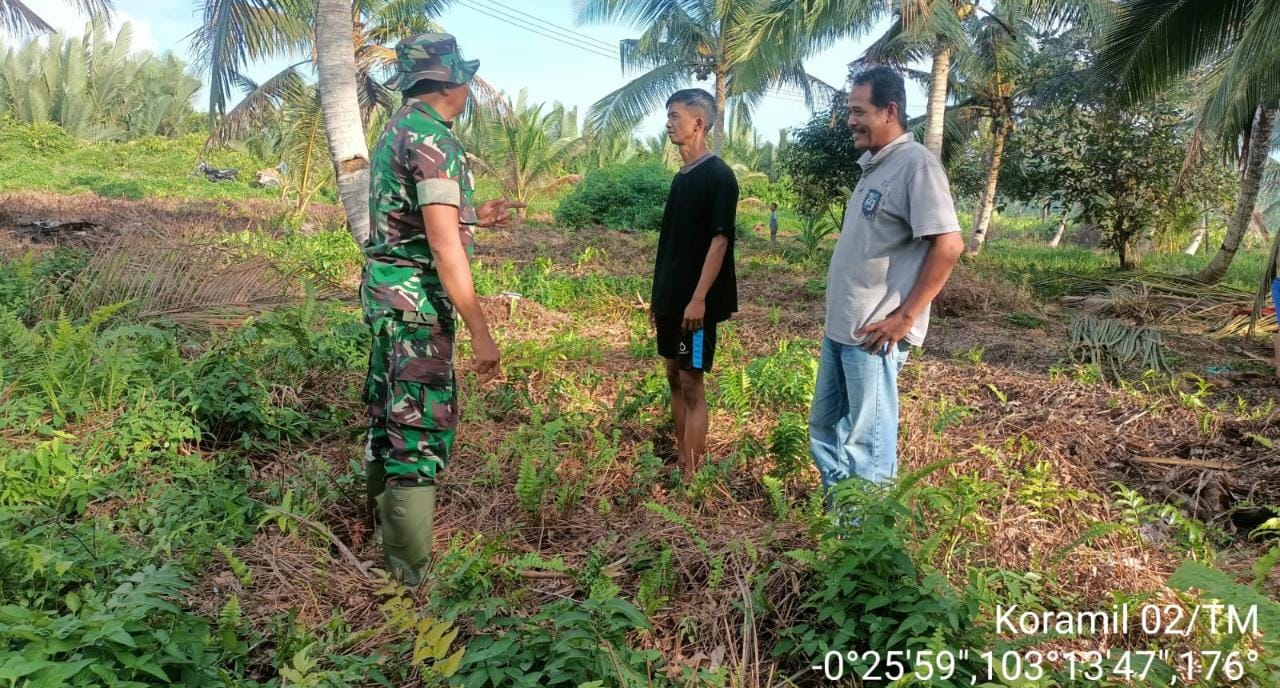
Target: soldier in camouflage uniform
pixel 416 281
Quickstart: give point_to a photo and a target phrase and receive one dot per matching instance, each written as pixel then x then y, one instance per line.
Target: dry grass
pixel 165 257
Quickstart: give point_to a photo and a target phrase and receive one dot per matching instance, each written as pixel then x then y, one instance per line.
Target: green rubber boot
pixel 407 515
pixel 375 480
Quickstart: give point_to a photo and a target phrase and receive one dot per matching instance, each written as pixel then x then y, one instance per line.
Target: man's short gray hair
pixel 697 99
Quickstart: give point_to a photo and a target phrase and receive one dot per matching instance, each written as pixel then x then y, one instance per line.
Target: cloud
pixel 64 17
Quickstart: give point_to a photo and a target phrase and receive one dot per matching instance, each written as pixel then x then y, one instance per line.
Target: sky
pixel 513 54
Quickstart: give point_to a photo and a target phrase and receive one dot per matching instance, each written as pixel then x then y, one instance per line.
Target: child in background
pixel 773 223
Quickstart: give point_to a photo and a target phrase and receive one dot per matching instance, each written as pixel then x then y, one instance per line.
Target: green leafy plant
pixel 789 445
pixel 565 643
pixel 132 632
pixel 629 197
pixel 867 591
pixel 777 493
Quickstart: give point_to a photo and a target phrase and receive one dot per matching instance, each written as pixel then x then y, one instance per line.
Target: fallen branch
pixel 1198 463
pixel 362 567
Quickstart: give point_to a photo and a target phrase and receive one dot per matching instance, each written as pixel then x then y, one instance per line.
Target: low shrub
pixel 630 197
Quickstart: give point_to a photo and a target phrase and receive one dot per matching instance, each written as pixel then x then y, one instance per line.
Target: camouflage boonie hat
pixel 430 56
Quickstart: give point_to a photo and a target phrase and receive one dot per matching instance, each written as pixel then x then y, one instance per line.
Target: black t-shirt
pixel 702 203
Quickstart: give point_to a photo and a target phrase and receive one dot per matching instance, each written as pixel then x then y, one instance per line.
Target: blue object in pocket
pixel 696 353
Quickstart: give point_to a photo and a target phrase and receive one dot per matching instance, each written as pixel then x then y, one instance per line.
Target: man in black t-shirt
pixel 694 285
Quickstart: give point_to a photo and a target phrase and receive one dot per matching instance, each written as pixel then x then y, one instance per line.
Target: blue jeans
pixel 853 427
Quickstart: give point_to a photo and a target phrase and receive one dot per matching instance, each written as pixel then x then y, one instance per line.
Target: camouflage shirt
pixel 418 161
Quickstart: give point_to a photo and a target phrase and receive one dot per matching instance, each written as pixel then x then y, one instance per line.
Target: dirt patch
pixel 155 217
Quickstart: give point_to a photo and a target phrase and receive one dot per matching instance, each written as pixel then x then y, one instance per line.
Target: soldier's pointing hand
pixel 494 213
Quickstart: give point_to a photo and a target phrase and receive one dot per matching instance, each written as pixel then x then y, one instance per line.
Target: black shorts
pixel 694 350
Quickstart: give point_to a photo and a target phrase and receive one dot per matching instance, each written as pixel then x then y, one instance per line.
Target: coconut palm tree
pixel 20 20
pixel 529 148
pixel 349 44
pixel 920 29
pixel 684 41
pixel 1235 47
pixel 991 70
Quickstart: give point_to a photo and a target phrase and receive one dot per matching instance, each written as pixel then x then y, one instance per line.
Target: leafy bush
pixel 132 634
pixel 630 197
pixel 252 388
pixel 867 592
pixel 67 370
pixel 38 137
pixel 33 277
pixel 821 159
pixel 566 643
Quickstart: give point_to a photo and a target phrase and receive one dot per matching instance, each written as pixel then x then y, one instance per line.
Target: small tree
pixel 821 159
pixel 1118 166
pixel 529 148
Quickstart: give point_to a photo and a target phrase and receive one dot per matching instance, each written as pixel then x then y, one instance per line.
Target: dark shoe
pixel 407 514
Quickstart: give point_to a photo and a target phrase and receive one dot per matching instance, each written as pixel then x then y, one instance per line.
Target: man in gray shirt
pixel 897 248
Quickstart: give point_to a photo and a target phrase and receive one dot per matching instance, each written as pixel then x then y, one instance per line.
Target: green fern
pixel 230 619
pixel 656 583
pixel 241 571
pixel 1219 586
pixel 735 392
pixel 528 486
pixel 533 560
pixel 789 445
pixel 777 497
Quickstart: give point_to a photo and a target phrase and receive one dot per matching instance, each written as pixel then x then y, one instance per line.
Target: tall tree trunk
pixel 1194 247
pixel 934 115
pixel 343 125
pixel 1259 150
pixel 1044 211
pixel 1258 228
pixel 1062 229
pixel 987 203
pixel 722 98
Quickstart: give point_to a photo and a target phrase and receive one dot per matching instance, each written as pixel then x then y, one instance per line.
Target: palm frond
pixel 623 109
pixel 781 22
pixel 1249 73
pixel 897 48
pixel 637 13
pixel 931 21
pixel 814 24
pixel 260 103
pixel 636 56
pixel 391 20
pixel 99 9
pixel 234 33
pixel 18 19
pixel 1153 42
pixel 1056 15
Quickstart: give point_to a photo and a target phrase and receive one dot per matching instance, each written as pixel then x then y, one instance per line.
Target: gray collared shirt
pixel 902 197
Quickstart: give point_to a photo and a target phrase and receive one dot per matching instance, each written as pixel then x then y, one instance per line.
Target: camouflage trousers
pixel 411 396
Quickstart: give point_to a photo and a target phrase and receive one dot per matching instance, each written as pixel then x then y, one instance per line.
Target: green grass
pixel 1038 266
pixel 46 159
pixel 488 188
